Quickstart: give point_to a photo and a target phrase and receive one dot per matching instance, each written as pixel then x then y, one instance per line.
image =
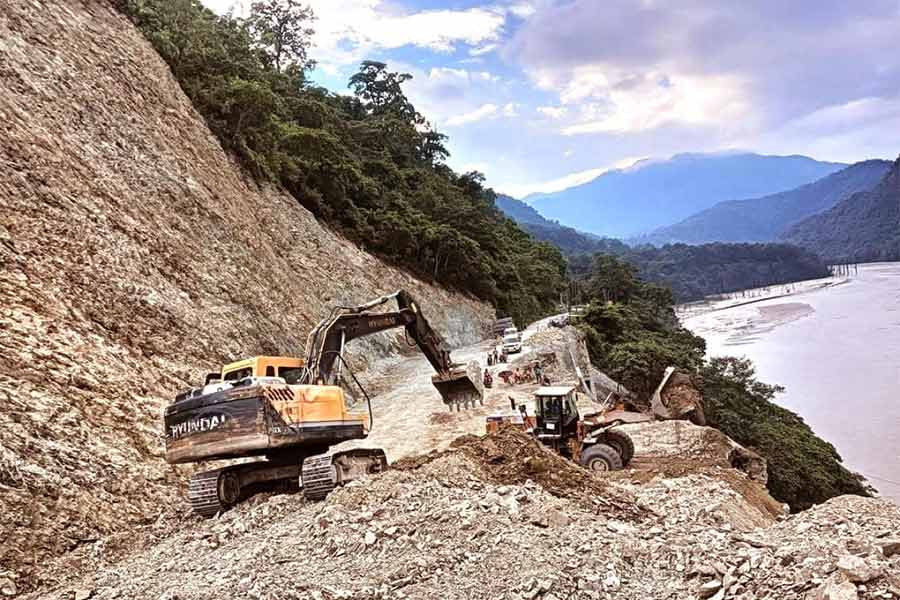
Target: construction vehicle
pixel 292 411
pixel 500 325
pixel 557 424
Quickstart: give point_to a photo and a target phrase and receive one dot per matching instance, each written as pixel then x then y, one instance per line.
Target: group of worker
pixel 496 357
pixel 531 373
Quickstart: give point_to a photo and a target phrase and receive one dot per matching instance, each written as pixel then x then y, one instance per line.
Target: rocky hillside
pixel 865 227
pixel 765 219
pixel 135 257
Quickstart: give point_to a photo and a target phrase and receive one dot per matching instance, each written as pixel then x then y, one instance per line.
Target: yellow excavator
pixel 292 411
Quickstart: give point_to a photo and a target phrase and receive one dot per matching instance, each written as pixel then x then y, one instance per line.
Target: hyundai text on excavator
pixel 292 411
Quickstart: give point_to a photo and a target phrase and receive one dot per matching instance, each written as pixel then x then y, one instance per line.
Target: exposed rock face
pixel 135 256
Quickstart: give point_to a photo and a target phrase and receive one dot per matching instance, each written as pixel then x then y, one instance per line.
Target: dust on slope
pixel 135 256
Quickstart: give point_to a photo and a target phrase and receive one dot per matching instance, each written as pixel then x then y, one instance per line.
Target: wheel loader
pixel 556 423
pixel 291 411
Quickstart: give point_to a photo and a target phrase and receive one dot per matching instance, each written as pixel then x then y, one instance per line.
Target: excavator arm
pixel 457 384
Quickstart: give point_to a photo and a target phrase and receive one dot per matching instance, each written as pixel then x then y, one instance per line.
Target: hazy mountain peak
pixel 655 193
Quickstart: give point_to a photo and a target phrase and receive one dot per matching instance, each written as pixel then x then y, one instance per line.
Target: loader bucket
pixel 462 388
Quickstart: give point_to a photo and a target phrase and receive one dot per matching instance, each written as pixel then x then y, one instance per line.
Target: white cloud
pixel 482 50
pixel 347 31
pixel 482 112
pixel 523 10
pixel 554 112
pixel 511 110
pixel 566 181
pixel 606 101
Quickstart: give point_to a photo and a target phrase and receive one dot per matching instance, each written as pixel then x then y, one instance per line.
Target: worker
pixel 488 379
pixel 490 359
pixel 538 372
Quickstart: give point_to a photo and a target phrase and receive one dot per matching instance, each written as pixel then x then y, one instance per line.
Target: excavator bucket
pixel 462 388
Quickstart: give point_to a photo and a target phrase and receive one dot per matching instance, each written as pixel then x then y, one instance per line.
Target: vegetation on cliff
pixel 633 335
pixel 803 469
pixel 862 228
pixel 368 164
pixel 693 272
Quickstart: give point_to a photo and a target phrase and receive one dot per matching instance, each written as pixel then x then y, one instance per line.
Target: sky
pixel 540 95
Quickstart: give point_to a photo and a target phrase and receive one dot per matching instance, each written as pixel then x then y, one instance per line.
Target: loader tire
pixel 601 458
pixel 621 442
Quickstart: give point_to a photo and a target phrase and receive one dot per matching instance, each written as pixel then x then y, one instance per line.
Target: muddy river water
pixel 837 353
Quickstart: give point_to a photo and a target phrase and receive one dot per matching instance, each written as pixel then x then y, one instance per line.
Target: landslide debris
pixel 511 457
pixel 136 257
pixel 448 527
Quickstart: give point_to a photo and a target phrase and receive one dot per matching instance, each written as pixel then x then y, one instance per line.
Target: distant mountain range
pixel 863 227
pixel 765 219
pixel 567 239
pixel 653 194
pixel 691 272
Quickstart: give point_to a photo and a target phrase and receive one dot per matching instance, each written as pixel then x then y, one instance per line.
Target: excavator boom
pixel 458 385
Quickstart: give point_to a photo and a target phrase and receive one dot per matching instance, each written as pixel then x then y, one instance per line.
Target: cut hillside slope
pixel 863 228
pixel 135 257
pixel 765 219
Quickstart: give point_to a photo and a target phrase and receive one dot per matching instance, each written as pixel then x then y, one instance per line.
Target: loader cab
pixel 288 368
pixel 556 412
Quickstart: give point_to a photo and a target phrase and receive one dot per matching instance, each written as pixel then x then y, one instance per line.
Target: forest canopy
pixel 367 164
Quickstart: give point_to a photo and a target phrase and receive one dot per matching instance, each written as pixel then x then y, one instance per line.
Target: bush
pixel 803 468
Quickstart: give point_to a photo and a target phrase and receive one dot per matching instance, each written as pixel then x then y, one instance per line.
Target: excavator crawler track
pixel 203 493
pixel 324 472
pixel 318 477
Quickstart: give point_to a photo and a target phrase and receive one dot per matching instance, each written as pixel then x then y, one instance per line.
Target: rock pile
pixel 448 527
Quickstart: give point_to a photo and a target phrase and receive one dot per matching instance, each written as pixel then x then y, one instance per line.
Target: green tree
pixel 381 91
pixel 803 469
pixel 280 29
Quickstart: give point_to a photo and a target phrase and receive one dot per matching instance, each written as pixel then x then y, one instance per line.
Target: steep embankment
pixel 863 228
pixel 135 256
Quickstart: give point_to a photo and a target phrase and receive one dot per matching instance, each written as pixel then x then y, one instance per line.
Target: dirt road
pixel 410 417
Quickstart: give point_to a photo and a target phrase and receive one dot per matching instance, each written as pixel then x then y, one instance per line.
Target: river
pixel 836 350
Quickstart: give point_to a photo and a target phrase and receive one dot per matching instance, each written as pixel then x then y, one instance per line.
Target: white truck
pixel 512 342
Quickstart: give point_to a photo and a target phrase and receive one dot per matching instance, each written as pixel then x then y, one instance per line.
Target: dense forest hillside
pixel 765 219
pixel 567 239
pixel 865 227
pixel 652 194
pixel 370 165
pixel 692 272
pixel 521 212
